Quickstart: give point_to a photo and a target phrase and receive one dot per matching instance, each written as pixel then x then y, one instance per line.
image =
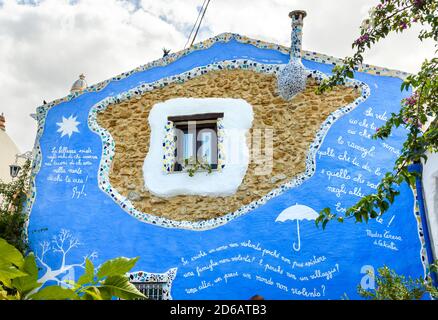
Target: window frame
pixel 198 123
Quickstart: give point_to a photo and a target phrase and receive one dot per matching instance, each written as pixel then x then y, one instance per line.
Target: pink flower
pixel 362 39
pixel 412 100
pixel 418 3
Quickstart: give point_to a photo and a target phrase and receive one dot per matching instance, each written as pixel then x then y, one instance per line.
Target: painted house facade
pixel 211 165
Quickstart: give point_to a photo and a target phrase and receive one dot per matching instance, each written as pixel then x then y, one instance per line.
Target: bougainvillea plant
pixel 418 112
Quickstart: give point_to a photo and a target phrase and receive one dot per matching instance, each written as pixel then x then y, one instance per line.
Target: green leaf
pixel 117 266
pixel 9 272
pixel 9 254
pixel 385 206
pixel 88 276
pixel 55 293
pixel 30 266
pixel 29 282
pixel 5 296
pixel 119 286
pixel 411 180
pixel 92 293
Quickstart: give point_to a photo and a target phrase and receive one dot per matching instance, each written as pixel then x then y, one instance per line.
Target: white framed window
pixel 220 137
pixel 196 139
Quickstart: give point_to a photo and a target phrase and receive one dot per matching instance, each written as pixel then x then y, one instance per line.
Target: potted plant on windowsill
pixel 192 165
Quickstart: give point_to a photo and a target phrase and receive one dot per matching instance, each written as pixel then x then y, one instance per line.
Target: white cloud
pixel 44 47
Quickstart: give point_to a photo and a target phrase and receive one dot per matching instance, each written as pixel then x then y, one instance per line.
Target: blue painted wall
pixel 329 263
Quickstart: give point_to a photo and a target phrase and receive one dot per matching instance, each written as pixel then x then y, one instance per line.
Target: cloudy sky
pixel 46 44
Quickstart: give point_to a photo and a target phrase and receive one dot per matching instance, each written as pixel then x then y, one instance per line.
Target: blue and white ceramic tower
pixel 292 78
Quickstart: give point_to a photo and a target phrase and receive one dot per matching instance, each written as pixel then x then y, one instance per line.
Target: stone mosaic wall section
pixel 295 124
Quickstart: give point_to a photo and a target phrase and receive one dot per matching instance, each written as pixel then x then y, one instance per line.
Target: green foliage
pixel 418 112
pixel 28 282
pixel 391 286
pixel 109 281
pixel 116 267
pixel 54 293
pixel 18 275
pixel 192 166
pixel 12 200
pixel 19 279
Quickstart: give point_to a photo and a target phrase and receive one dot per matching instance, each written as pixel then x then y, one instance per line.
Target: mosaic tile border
pixel 226 37
pixel 417 214
pixel 220 144
pixel 169 147
pixel 108 149
pixel 37 159
pixel 168 277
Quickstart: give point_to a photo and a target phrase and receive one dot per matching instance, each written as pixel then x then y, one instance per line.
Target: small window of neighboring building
pixel 152 290
pixel 196 139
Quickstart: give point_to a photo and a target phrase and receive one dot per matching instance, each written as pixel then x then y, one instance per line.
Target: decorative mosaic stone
pixel 297 17
pixel 169 147
pixel 220 144
pixel 292 79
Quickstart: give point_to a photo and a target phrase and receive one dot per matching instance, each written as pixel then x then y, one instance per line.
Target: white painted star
pixel 68 126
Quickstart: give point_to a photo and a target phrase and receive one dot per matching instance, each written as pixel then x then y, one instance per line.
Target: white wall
pixel 8 150
pixel 430 189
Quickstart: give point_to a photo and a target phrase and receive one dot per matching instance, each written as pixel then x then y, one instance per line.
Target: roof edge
pixel 226 37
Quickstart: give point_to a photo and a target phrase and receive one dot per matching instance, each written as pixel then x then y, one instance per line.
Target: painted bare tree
pixel 62 244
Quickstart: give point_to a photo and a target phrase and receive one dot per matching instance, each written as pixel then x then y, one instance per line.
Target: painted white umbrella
pixel 297 212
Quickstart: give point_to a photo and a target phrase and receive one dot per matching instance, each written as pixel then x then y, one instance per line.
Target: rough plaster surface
pixel 237 120
pixel 294 122
pixel 430 187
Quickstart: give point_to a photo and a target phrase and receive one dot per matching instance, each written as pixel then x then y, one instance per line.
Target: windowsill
pixel 198 171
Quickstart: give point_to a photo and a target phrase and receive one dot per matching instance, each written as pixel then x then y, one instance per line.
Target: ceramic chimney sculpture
pixel 292 78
